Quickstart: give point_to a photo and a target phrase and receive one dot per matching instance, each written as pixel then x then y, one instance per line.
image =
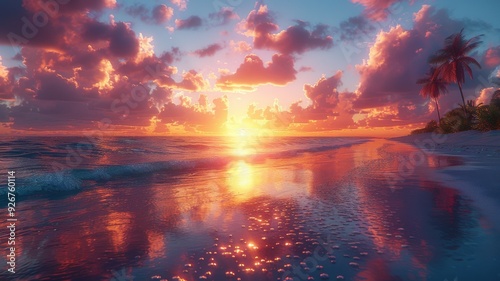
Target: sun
pixel 243 133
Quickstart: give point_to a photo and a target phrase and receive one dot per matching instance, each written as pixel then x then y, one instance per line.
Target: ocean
pixel 237 208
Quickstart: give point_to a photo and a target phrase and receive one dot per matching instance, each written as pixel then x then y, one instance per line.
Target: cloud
pixel 5 85
pixel 162 13
pixel 240 46
pixel 208 51
pixel 55 87
pixel 161 96
pixel 326 102
pixel 193 22
pixel 158 15
pixel 485 96
pixel 181 4
pixel 73 6
pixel 200 116
pixel 63 28
pixel 223 16
pixel 192 81
pixel 299 38
pixel 492 57
pixel 356 28
pixel 495 76
pixel 397 59
pixel 122 41
pixel 328 109
pixel 386 77
pixel 377 10
pixel 252 72
pixel 41 23
pixel 91 71
pixel 324 93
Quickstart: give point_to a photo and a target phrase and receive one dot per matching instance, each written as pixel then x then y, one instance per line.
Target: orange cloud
pixel 329 109
pixel 240 46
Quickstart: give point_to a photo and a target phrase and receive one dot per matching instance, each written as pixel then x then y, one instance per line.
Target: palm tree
pixel 453 60
pixel 433 87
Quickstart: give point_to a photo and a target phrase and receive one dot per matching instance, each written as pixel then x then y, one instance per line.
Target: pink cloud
pixel 240 46
pixel 492 57
pixel 252 72
pixel 162 13
pixel 92 71
pixel 192 81
pixel 298 38
pixel 328 110
pixel 377 10
pixel 181 4
pixel 196 117
pixel 397 59
pixel 326 103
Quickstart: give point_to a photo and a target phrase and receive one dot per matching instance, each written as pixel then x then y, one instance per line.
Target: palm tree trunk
pixel 437 108
pixel 463 100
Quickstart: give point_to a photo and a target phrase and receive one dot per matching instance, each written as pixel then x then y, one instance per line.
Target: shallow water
pixel 324 213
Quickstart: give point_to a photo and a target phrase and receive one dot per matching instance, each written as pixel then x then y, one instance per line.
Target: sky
pixel 225 67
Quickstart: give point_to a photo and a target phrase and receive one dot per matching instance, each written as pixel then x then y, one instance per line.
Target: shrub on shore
pixel 478 117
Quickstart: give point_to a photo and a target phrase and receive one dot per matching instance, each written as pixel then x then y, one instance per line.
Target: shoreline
pixel 478 178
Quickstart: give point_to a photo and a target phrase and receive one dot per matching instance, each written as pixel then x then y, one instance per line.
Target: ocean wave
pixel 77 179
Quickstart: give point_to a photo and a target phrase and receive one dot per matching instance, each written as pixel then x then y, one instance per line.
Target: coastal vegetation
pixel 450 65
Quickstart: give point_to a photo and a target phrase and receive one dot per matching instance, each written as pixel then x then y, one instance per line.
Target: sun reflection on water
pixel 241 178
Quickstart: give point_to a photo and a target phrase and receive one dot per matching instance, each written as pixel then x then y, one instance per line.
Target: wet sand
pixel 357 213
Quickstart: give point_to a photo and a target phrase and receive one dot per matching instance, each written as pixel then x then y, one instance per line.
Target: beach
pixel 478 177
pixel 326 208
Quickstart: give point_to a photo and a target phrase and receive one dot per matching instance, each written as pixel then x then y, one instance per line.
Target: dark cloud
pixel 356 28
pixel 65 27
pixel 93 31
pixel 4 113
pixel 193 22
pixel 223 16
pixel 208 51
pixel 55 87
pixel 158 15
pixel 122 41
pixel 78 71
pixel 77 6
pixel 295 39
pixel 252 72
